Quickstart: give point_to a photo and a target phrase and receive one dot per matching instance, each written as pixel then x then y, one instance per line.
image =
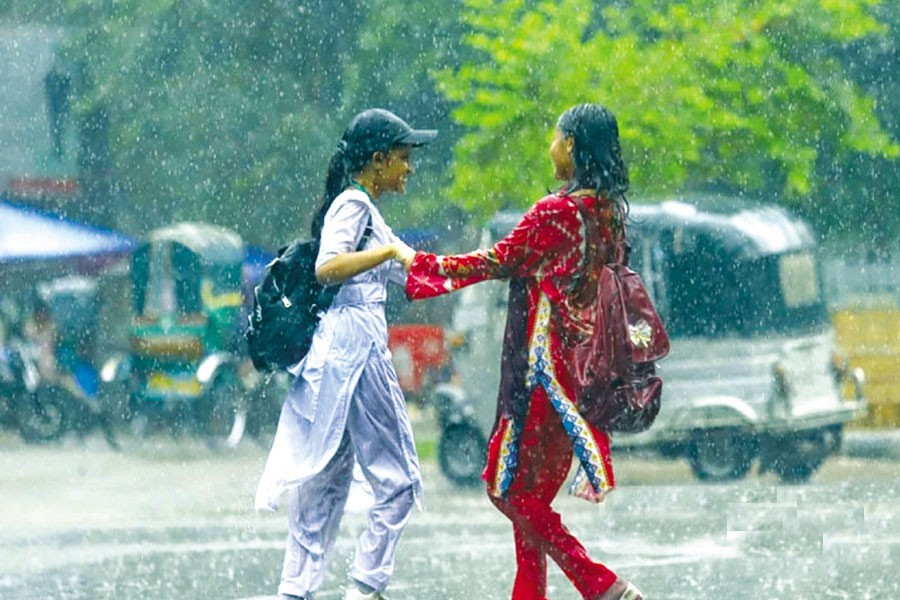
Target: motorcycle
pixel 40 412
pixel 428 376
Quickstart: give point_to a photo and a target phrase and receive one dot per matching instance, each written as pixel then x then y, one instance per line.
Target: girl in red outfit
pixel 538 428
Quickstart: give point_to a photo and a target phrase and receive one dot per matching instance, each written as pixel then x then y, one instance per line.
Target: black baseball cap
pixel 380 129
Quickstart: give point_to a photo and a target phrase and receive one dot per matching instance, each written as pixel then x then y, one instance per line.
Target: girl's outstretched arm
pixel 542 231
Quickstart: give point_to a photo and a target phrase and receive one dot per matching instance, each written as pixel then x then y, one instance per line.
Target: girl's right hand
pixel 403 254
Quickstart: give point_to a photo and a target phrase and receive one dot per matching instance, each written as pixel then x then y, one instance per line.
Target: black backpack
pixel 287 306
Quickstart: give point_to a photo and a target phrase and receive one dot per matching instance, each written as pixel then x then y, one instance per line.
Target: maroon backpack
pixel 614 367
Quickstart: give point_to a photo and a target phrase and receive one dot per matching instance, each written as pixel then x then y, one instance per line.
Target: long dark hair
pixel 345 161
pixel 597 153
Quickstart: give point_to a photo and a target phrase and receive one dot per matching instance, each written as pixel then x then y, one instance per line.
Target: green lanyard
pixel 361 188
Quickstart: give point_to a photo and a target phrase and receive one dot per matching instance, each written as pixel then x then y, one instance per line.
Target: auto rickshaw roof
pixel 746 227
pixel 215 245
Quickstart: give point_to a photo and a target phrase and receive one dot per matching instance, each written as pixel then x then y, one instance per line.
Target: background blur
pixel 121 119
pixel 131 114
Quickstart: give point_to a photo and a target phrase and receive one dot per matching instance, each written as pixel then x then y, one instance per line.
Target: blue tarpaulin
pixel 28 234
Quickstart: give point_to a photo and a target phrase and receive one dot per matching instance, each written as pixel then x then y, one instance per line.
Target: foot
pixel 354 593
pixel 632 593
pixel 622 590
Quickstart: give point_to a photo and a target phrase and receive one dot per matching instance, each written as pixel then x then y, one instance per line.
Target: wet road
pixel 169 519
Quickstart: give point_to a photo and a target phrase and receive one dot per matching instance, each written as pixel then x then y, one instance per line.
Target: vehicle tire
pixel 223 412
pixel 720 455
pixel 800 458
pixel 461 453
pixel 147 418
pixel 797 472
pixel 115 399
pixel 43 415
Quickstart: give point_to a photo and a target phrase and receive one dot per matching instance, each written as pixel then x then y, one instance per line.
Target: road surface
pixel 167 519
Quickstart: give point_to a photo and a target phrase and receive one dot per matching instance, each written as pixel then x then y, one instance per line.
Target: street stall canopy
pixel 28 234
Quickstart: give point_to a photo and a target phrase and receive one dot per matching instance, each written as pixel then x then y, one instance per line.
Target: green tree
pixel 400 44
pixel 861 188
pixel 29 11
pixel 229 111
pixel 215 111
pixel 733 94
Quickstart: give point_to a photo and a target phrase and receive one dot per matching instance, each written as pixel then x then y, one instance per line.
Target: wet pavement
pixel 170 519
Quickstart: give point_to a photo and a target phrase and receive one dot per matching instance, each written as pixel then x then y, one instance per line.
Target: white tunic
pixel 351 340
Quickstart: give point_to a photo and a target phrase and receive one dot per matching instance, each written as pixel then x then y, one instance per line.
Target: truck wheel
pixel 43 415
pixel 720 455
pixel 224 413
pixel 461 453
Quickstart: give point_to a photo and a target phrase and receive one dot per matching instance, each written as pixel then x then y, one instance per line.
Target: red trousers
pixel 545 457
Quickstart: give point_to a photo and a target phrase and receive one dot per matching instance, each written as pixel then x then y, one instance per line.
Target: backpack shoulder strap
pixel 622 248
pixel 583 288
pixel 366 234
pixel 590 232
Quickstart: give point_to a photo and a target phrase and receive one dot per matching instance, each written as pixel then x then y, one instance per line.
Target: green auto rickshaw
pixel 182 368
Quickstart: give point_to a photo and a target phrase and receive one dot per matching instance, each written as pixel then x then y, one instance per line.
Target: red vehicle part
pixel 417 350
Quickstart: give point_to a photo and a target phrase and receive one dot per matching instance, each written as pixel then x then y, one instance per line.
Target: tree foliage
pixel 29 11
pixel 213 108
pixel 229 111
pixel 734 94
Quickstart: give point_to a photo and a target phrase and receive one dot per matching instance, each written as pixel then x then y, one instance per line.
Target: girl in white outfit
pixel 345 401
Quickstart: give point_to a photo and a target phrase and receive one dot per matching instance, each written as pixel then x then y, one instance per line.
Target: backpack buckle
pixel 286 301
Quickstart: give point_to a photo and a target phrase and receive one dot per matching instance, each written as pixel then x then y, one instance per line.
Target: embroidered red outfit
pixel 538 428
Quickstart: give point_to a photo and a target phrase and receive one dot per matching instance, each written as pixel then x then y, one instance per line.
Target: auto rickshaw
pixel 183 364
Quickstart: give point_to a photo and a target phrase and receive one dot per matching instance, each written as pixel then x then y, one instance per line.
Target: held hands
pixel 349 264
pixel 403 254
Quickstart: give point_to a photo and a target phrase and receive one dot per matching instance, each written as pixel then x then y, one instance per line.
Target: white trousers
pixel 315 508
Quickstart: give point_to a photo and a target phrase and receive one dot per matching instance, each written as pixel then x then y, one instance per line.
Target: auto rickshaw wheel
pixel 147 418
pixel 461 454
pixel 720 454
pixel 115 399
pixel 43 415
pixel 223 412
pixel 799 457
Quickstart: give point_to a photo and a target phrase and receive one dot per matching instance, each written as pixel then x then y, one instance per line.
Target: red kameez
pixel 531 446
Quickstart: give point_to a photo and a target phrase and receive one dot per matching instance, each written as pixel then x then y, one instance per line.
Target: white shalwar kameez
pixel 345 402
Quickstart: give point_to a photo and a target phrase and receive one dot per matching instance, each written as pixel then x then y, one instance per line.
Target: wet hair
pixel 597 154
pixel 346 160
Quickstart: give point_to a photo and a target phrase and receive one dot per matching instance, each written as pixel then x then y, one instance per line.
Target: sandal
pixel 622 590
pixel 632 593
